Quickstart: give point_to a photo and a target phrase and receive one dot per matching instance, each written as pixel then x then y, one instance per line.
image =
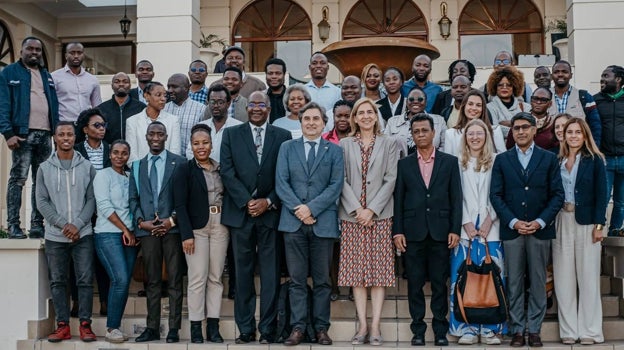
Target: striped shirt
pixel 189 113
pixel 562 102
pixel 96 155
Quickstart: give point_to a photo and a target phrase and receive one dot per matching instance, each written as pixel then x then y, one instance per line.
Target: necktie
pixel 154 182
pixel 258 142
pixel 311 154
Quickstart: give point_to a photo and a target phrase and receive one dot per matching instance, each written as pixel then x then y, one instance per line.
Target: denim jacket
pixel 15 99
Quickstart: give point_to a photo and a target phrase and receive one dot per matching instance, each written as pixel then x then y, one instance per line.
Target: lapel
pixel 512 154
pixel 300 151
pixel 143 164
pixel 248 139
pixel 436 168
pixel 323 147
pixel 169 166
pixel 197 174
pixel 536 159
pixel 376 149
pixel 585 164
pixel 267 145
pixel 414 160
pixel 399 108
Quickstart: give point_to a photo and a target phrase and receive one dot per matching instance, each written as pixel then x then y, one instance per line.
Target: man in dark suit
pixel 248 162
pixel 151 203
pixel 427 222
pixel 144 72
pixel 527 194
pixel 310 175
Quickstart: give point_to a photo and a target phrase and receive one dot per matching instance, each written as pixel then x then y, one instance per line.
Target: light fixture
pixel 323 25
pixel 125 22
pixel 445 22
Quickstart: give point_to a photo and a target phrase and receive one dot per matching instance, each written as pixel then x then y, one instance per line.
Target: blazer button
pixel 303 200
pixel 428 195
pixel 526 188
pixel 523 204
pixel 428 209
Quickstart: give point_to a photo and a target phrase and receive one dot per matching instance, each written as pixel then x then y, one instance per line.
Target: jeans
pixel 58 255
pixel 615 182
pixel 32 152
pixel 118 260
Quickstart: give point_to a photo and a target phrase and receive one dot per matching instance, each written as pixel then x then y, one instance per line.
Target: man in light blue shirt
pixel 421 68
pixel 322 91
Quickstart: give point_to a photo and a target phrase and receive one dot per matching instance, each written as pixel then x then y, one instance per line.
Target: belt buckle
pixel 214 209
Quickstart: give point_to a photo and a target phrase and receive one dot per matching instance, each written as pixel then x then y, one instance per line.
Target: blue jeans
pixel 32 152
pixel 118 260
pixel 615 182
pixel 58 255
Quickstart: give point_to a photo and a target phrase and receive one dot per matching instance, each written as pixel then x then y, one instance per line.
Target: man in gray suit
pixel 309 179
pixel 151 203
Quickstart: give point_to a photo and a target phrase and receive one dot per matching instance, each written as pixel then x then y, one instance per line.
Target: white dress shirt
pixel 136 129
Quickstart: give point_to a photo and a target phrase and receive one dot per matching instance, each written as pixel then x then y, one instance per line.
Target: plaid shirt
pixel 200 95
pixel 189 113
pixel 562 102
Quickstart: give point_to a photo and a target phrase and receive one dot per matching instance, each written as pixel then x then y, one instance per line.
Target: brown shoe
pixel 517 340
pixel 322 338
pixel 295 338
pixel 535 340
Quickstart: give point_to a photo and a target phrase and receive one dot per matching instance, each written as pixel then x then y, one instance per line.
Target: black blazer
pixel 536 192
pixel 134 94
pixel 244 179
pixel 386 111
pixel 443 100
pixel 436 210
pixel 106 162
pixel 190 199
pixel 590 191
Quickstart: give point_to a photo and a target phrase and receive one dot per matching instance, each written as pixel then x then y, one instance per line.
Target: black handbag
pixel 479 293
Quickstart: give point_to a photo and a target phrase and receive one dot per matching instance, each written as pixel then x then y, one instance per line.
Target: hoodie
pixel 65 196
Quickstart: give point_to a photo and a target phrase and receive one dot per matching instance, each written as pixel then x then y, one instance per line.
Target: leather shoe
pixel 173 336
pixel 535 341
pixel 245 338
pixel 323 338
pixel 295 338
pixel 418 340
pixel 36 232
pixel 517 340
pixel 15 232
pixel 266 338
pixel 148 334
pixel 441 341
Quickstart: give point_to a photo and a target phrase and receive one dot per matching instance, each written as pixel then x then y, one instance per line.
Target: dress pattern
pixel 366 253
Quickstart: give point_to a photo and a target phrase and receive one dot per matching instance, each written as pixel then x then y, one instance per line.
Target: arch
pixel 7 55
pixel 385 18
pixel 272 20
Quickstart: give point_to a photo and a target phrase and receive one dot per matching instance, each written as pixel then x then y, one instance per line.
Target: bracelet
pixel 171 222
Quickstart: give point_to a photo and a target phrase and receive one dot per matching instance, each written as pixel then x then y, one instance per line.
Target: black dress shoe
pixel 266 338
pixel 15 232
pixel 418 340
pixel 148 334
pixel 36 232
pixel 517 340
pixel 173 336
pixel 535 341
pixel 441 341
pixel 196 332
pixel 212 331
pixel 245 338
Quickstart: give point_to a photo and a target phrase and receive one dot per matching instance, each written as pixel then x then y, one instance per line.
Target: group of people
pixel 255 175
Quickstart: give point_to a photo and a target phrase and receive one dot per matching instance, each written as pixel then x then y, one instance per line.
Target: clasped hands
pixel 157 227
pixel 483 231
pixel 303 213
pixel 257 207
pixel 526 228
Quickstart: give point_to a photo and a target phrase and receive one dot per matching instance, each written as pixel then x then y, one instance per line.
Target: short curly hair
pixel 515 77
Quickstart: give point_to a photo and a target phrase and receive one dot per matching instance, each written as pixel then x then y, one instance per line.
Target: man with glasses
pixel 198 71
pixel 251 212
pixel 527 193
pixel 541 100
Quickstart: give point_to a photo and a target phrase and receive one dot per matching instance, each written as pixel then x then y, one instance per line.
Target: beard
pixel 121 93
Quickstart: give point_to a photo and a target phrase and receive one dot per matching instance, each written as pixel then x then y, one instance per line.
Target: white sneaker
pixel 467 339
pixel 491 340
pixel 115 336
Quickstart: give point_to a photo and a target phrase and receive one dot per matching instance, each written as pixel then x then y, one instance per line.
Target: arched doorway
pixel 7 55
pixel 274 28
pixel 489 26
pixel 385 18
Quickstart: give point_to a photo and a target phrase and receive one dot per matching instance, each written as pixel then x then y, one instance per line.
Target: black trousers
pixel 432 257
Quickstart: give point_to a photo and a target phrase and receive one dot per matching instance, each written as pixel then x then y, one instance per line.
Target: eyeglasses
pixel 254 105
pixel 524 127
pixel 200 70
pixel 503 85
pixel 538 99
pixel 418 99
pixel 217 102
pixel 505 62
pixel 420 131
pixel 98 125
pixel 475 133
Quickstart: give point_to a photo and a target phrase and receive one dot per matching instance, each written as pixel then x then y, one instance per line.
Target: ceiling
pixel 82 8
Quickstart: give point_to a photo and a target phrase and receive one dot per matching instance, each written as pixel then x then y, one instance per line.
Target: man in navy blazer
pixel 250 210
pixel 309 179
pixel 527 193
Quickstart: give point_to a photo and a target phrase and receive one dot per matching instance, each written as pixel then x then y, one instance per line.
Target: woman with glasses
pixel 399 125
pixel 295 97
pixel 506 87
pixel 541 99
pixel 479 223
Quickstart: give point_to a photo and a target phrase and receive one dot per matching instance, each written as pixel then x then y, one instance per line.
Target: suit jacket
pixel 527 195
pixel 243 178
pixel 190 198
pixel 318 188
pixel 590 191
pixel 380 179
pixel 476 201
pixel 443 100
pixel 419 210
pixel 106 162
pixel 141 203
pixel 386 111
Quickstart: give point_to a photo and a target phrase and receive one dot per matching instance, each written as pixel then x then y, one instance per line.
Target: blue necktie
pixel 154 182
pixel 311 155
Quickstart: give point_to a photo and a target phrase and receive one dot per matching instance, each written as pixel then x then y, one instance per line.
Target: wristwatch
pixel 598 227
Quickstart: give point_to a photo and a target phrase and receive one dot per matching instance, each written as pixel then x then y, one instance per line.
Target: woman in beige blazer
pixel 366 209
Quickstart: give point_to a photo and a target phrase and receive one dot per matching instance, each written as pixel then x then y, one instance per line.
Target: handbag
pixel 479 292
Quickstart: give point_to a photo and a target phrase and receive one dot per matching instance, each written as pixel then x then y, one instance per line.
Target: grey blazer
pixel 141 203
pixel 380 179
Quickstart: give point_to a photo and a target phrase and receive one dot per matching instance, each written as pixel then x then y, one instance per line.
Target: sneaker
pixel 86 334
pixel 468 339
pixel 491 340
pixel 62 332
pixel 114 336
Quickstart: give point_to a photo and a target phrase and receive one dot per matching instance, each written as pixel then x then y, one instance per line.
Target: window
pixel 385 18
pixel 6 47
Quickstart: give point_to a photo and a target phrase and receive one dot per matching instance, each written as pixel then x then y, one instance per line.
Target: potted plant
pixel 558 29
pixel 207 51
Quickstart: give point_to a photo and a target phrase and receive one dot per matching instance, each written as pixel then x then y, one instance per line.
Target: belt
pixel 215 209
pixel 569 207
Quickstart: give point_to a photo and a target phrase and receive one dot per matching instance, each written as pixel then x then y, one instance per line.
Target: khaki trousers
pixel 205 268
